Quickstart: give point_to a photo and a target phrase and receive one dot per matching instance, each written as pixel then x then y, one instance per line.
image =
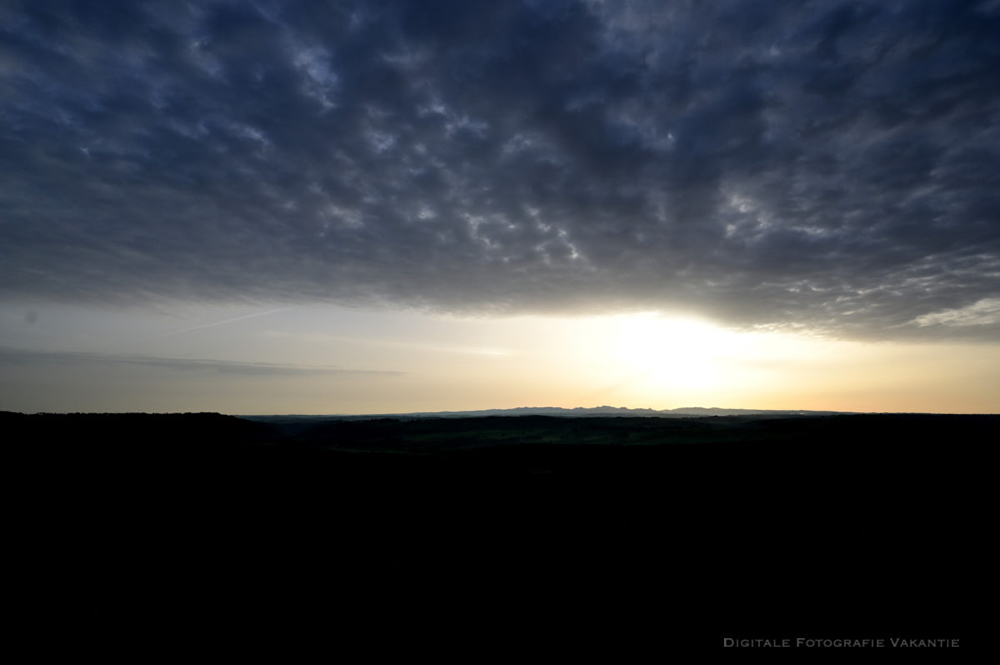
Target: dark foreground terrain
pixel 532 535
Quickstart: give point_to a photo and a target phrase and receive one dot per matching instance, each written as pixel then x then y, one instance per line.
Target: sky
pixel 383 207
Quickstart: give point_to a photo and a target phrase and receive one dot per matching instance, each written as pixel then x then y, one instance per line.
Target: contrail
pixel 230 320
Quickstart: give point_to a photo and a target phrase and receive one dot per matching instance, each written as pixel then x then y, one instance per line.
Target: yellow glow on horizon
pixel 663 360
pixel 398 362
pixel 669 353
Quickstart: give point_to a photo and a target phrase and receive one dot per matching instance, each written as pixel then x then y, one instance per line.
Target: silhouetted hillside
pixel 675 532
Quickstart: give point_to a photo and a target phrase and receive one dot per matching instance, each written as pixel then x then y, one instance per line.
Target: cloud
pixel 986 312
pixel 829 166
pixel 297 337
pixel 201 366
pixel 231 319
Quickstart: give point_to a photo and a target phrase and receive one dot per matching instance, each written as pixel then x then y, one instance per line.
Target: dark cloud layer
pixel 827 164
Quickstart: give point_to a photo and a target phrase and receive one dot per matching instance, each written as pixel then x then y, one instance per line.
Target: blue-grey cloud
pixel 15 357
pixel 829 165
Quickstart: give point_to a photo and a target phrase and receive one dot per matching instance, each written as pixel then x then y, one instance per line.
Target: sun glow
pixel 666 360
pixel 672 353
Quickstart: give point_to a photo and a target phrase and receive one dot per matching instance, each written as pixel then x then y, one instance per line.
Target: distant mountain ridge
pixel 582 412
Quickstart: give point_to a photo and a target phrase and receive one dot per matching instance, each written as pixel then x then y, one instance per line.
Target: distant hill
pixel 578 412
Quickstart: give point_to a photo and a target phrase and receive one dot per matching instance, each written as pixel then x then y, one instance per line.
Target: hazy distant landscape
pixel 678 530
pixel 578 412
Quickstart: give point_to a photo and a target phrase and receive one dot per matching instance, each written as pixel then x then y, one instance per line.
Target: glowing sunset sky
pixel 378 207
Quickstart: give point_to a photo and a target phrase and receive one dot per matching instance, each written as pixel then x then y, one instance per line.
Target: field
pixel 482 533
